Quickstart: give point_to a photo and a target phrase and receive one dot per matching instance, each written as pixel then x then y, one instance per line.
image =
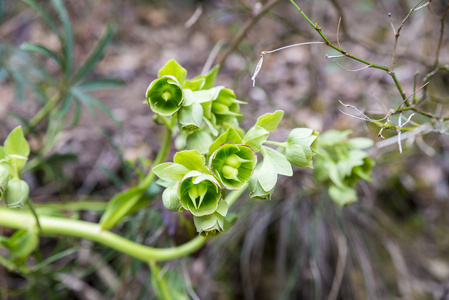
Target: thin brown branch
pixel 440 40
pixel 246 27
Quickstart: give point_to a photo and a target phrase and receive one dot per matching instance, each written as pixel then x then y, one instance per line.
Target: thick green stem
pixel 82 229
pixel 277 144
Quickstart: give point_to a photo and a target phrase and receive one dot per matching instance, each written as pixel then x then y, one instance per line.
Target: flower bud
pixel 233 165
pixel 16 193
pixel 226 107
pixel 199 193
pixel 4 178
pixel 170 199
pixel 212 225
pixel 255 188
pixel 165 95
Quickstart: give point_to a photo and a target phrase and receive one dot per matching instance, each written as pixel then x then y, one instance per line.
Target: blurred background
pixel 392 244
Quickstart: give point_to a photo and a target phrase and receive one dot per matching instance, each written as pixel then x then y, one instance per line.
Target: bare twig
pixel 196 15
pixel 246 27
pixel 260 62
pixel 356 70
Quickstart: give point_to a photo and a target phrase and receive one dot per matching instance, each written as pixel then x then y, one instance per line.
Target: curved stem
pixel 82 229
pixel 43 112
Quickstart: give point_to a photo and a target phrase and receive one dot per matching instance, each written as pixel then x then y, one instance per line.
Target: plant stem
pixel 277 144
pixel 43 112
pixel 164 151
pixel 56 226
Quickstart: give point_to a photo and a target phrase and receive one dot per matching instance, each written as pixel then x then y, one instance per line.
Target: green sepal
pixel 270 121
pixel 16 193
pixel 214 224
pixel 233 165
pixel 191 159
pixel 170 171
pixel 190 117
pixel 255 137
pixel 230 136
pixel 199 193
pixel 165 95
pixel 173 68
pixel 170 199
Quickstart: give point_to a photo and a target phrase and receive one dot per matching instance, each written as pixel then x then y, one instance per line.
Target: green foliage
pixel 342 163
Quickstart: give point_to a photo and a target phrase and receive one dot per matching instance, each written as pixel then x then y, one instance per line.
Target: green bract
pixel 212 225
pixel 16 193
pixel 233 165
pixel 165 95
pixel 199 193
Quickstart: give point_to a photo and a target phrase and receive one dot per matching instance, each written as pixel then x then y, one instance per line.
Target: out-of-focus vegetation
pixel 60 59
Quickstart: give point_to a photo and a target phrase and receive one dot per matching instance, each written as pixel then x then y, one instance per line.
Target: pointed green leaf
pixel 173 68
pixel 209 77
pixel 278 161
pixel 95 55
pixel 44 15
pixel 255 137
pixel 41 49
pixel 119 206
pixel 170 171
pixel 16 144
pixel 271 120
pixel 195 84
pixel 191 159
pixel 100 83
pixel 22 243
pixel 67 40
pixel 230 136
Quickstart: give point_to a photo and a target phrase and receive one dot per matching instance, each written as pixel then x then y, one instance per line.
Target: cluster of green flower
pixel 13 156
pixel 215 153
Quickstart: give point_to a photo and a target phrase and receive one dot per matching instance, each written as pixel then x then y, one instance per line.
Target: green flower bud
pixel 16 193
pixel 226 107
pixel 212 225
pixel 255 188
pixel 190 117
pixel 233 165
pixel 4 178
pixel 165 95
pixel 199 193
pixel 170 199
pixel 300 147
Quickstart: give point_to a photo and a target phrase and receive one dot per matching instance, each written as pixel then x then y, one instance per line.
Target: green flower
pixel 212 225
pixel 233 165
pixel 225 107
pixel 16 193
pixel 165 95
pixel 199 193
pixel 170 199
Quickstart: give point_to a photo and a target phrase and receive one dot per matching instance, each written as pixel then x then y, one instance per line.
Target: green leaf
pixel 209 77
pixel 191 159
pixel 16 143
pixel 195 84
pixel 95 55
pixel 41 49
pixel 170 171
pixel 332 137
pixel 278 161
pixel 199 140
pixel 67 41
pixel 2 152
pixel 119 206
pixel 44 15
pixel 271 120
pixel 207 95
pixel 255 137
pixel 22 243
pixel 173 68
pixel 343 195
pixel 230 136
